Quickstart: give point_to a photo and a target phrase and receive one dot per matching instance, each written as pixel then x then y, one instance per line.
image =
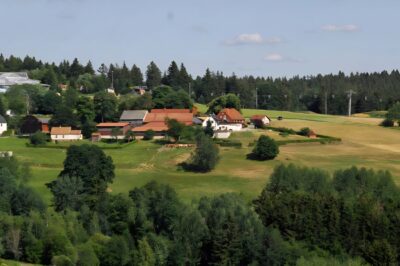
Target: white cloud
pixel 343 28
pixel 252 38
pixel 274 57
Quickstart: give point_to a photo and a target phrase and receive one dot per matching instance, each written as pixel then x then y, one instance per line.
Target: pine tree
pixel 136 76
pixel 173 75
pixel 89 68
pixel 184 78
pixel 153 76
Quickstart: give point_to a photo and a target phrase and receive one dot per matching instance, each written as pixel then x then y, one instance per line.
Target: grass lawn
pixel 364 143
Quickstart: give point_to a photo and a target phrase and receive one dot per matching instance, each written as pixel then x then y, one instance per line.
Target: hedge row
pixel 228 143
pixel 66 146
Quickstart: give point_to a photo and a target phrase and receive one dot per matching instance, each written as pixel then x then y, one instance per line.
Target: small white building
pixel 3 125
pixel 214 123
pixel 230 127
pixel 260 120
pixel 221 126
pixel 65 134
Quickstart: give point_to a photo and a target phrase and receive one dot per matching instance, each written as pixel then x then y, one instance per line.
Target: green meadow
pixel 364 144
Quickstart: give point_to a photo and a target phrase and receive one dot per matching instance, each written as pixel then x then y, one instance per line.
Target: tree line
pixel 303 216
pixel 320 93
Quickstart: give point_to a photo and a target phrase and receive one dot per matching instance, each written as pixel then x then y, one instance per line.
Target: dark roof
pixel 2 119
pixel 133 114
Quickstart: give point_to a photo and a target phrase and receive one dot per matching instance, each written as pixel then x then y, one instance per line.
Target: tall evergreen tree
pixel 136 76
pixel 153 76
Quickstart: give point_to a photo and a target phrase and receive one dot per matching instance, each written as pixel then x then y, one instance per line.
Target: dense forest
pixel 303 216
pixel 320 93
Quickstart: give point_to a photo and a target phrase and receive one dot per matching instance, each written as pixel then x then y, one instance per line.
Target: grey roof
pixel 2 119
pixel 44 120
pixel 133 115
pixel 16 78
pixel 197 121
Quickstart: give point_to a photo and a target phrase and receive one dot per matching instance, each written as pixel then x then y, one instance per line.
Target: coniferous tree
pixel 153 76
pixel 136 76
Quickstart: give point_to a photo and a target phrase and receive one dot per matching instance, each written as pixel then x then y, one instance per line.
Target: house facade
pixel 65 134
pixel 3 125
pixel 230 119
pixel 260 120
pixel 31 124
pixel 108 130
pixel 156 121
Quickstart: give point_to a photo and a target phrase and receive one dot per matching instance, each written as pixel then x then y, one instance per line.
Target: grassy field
pixel 364 144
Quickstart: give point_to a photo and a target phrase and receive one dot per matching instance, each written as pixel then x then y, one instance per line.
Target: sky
pixel 253 37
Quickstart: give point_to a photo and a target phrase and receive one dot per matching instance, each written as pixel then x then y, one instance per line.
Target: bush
pixel 387 123
pixel 265 149
pixel 228 143
pixel 304 131
pixel 283 130
pixel 38 138
pixel 148 135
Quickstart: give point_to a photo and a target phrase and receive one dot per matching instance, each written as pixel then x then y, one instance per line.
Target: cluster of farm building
pixel 139 122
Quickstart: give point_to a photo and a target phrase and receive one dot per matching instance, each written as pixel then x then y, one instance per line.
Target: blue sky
pixel 258 37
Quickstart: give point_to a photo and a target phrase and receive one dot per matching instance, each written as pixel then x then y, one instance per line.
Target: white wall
pixel 222 134
pixel 230 127
pixel 66 137
pixel 214 123
pixel 3 127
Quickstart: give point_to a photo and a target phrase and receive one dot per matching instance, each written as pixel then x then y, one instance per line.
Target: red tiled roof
pixel 112 124
pixel 231 114
pixel 186 118
pixel 155 126
pixel 169 111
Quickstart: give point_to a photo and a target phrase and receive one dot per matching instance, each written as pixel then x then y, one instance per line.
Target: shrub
pixel 265 149
pixel 387 123
pixel 148 135
pixel 38 138
pixel 304 131
pixel 228 143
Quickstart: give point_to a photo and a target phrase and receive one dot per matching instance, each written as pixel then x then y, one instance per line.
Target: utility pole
pixel 112 79
pixel 350 95
pixel 326 102
pixel 27 104
pixel 256 98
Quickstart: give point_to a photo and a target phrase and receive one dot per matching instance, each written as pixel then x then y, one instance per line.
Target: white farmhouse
pixel 65 134
pixel 3 125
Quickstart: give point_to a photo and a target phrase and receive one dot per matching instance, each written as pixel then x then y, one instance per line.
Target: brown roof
pixel 112 124
pixel 257 117
pixel 232 114
pixel 186 118
pixel 64 131
pixel 155 126
pixel 169 111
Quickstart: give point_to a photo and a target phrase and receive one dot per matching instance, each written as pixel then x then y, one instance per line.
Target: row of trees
pixel 71 108
pixel 302 217
pixel 320 93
